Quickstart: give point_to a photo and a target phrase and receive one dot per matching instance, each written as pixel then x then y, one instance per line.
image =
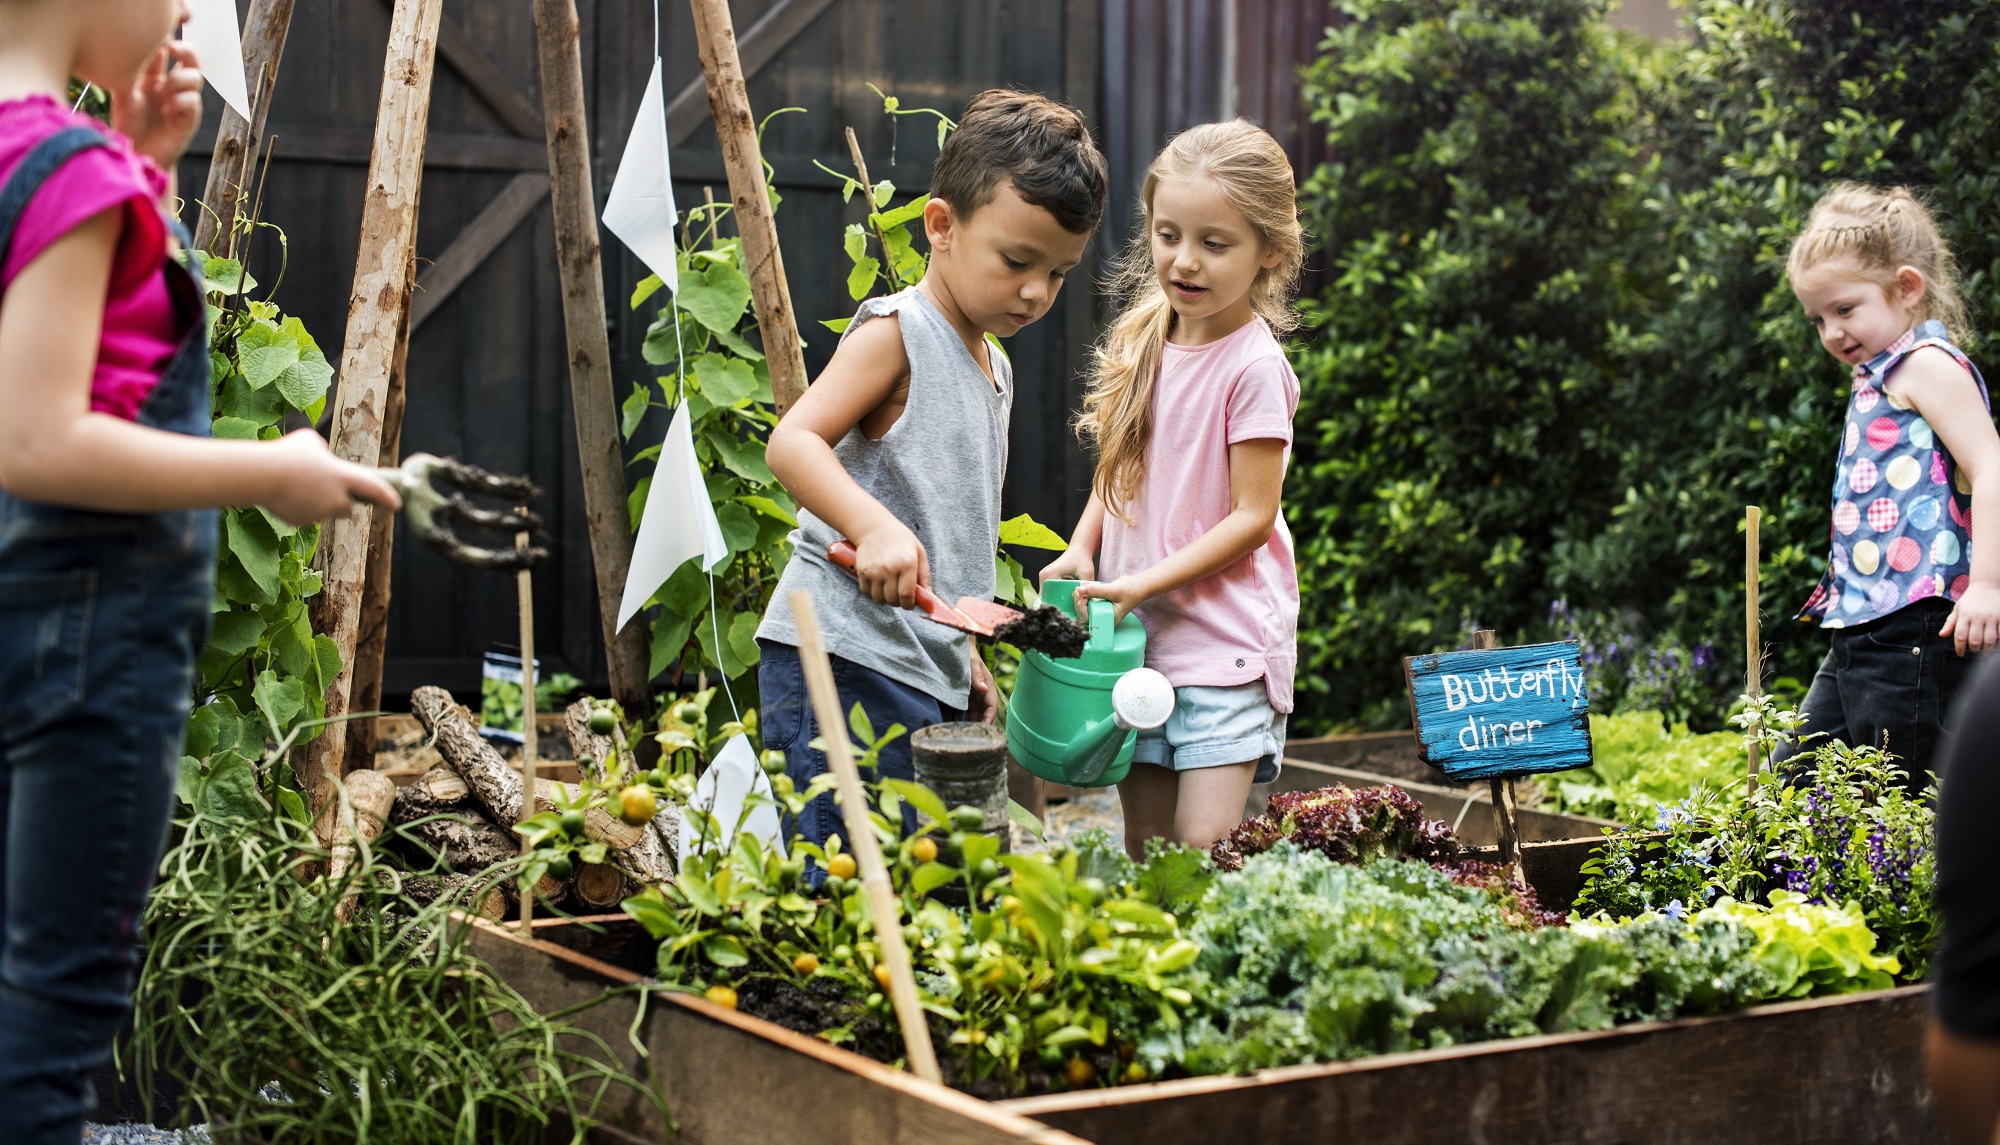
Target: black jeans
pixel 1888 683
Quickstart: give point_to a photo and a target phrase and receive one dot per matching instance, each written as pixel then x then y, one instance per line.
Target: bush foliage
pixel 1557 355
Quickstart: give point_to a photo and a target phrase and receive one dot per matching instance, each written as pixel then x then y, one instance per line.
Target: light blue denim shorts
pixel 1214 727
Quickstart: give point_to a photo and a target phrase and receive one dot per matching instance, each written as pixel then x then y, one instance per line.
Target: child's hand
pixel 1073 564
pixel 314 484
pixel 985 697
pixel 1125 592
pixel 1976 620
pixel 163 108
pixel 890 563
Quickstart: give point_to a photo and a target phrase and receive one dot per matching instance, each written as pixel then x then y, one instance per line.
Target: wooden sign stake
pixel 578 260
pixel 375 315
pixel 1753 642
pixel 736 130
pixel 530 747
pixel 861 840
pixel 1504 816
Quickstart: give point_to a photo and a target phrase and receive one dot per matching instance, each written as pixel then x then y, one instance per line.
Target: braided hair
pixel 1883 231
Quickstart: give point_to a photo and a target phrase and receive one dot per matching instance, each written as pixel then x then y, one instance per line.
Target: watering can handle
pixel 1103 630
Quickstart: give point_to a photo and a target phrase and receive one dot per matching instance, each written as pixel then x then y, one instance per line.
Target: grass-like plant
pixel 283 1022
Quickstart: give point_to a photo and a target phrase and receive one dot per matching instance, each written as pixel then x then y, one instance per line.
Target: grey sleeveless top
pixel 939 470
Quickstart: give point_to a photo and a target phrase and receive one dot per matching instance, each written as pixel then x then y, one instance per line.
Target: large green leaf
pixel 227 789
pixel 265 352
pixel 744 458
pixel 255 547
pixel 634 410
pixel 1025 530
pixel 739 527
pixel 306 382
pixel 717 297
pixel 234 633
pixel 743 638
pixel 725 381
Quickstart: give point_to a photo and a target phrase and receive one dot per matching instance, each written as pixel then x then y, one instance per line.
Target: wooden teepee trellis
pixel 367 410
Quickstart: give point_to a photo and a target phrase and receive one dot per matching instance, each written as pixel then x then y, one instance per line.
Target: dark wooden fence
pixel 487 381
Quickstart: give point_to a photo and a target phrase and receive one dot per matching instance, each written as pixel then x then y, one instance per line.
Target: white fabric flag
pixel 640 210
pixel 722 790
pixel 679 521
pixel 217 41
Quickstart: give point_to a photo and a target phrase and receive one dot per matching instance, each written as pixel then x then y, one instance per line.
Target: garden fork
pixel 431 511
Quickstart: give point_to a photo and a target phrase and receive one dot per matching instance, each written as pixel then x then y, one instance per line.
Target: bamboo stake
pixel 861 840
pixel 596 406
pixel 1504 809
pixel 530 747
pixel 374 318
pixel 1753 640
pixel 736 130
pixel 237 139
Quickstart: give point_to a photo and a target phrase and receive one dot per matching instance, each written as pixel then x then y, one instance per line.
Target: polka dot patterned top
pixel 1902 510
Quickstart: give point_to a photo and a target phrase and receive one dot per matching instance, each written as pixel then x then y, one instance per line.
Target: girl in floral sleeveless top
pixel 1918 476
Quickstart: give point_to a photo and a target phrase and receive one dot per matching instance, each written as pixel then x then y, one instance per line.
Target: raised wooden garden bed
pixel 1825 1070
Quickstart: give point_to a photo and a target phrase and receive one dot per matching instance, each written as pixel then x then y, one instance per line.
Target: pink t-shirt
pixel 1242 623
pixel 142 327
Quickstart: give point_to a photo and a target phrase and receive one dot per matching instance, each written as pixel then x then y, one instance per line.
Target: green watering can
pixel 1075 721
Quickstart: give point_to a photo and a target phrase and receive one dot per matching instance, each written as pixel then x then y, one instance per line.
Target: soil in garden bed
pixel 820 1007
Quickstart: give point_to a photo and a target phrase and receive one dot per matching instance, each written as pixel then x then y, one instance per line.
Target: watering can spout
pixel 1142 700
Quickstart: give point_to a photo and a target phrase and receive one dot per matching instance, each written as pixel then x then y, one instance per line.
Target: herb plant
pixel 1850 835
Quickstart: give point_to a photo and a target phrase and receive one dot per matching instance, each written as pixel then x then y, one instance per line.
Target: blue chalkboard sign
pixel 1501 711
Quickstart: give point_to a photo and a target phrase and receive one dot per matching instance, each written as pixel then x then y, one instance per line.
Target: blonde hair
pixel 1252 171
pixel 1883 231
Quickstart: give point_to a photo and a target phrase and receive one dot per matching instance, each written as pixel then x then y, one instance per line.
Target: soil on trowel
pixel 1047 630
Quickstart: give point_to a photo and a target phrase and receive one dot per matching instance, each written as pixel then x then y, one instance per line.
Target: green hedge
pixel 1557 355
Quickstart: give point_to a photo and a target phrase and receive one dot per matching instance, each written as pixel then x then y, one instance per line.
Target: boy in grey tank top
pixel 900 444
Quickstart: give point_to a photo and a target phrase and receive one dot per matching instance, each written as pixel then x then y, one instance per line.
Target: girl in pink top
pixel 1191 411
pixel 108 483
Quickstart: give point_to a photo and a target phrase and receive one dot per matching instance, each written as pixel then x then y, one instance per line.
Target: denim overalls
pixel 101 617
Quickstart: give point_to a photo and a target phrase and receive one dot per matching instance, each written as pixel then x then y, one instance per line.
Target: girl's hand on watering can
pixel 985 697
pixel 1125 593
pixel 1073 564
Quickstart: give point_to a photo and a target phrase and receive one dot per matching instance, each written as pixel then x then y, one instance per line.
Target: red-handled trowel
pixel 979 617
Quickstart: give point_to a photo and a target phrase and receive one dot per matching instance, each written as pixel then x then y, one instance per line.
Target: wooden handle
pixel 861 841
pixel 842 554
pixel 525 586
pixel 1753 518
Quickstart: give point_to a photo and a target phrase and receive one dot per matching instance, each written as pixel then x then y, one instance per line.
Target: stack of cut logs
pixel 465 810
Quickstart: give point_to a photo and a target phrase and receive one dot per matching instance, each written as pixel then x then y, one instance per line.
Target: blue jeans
pixel 1892 679
pixel 788 725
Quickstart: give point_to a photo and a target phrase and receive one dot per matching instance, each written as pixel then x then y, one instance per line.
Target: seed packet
pixel 500 707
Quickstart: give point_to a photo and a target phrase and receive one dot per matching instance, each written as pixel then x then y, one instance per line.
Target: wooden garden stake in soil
pixel 596 406
pixel 375 316
pixel 236 140
pixel 530 749
pixel 736 130
pixel 861 840
pixel 1753 643
pixel 1503 790
pixel 371 641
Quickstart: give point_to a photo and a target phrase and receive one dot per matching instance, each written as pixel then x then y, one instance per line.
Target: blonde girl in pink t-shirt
pixel 1191 412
